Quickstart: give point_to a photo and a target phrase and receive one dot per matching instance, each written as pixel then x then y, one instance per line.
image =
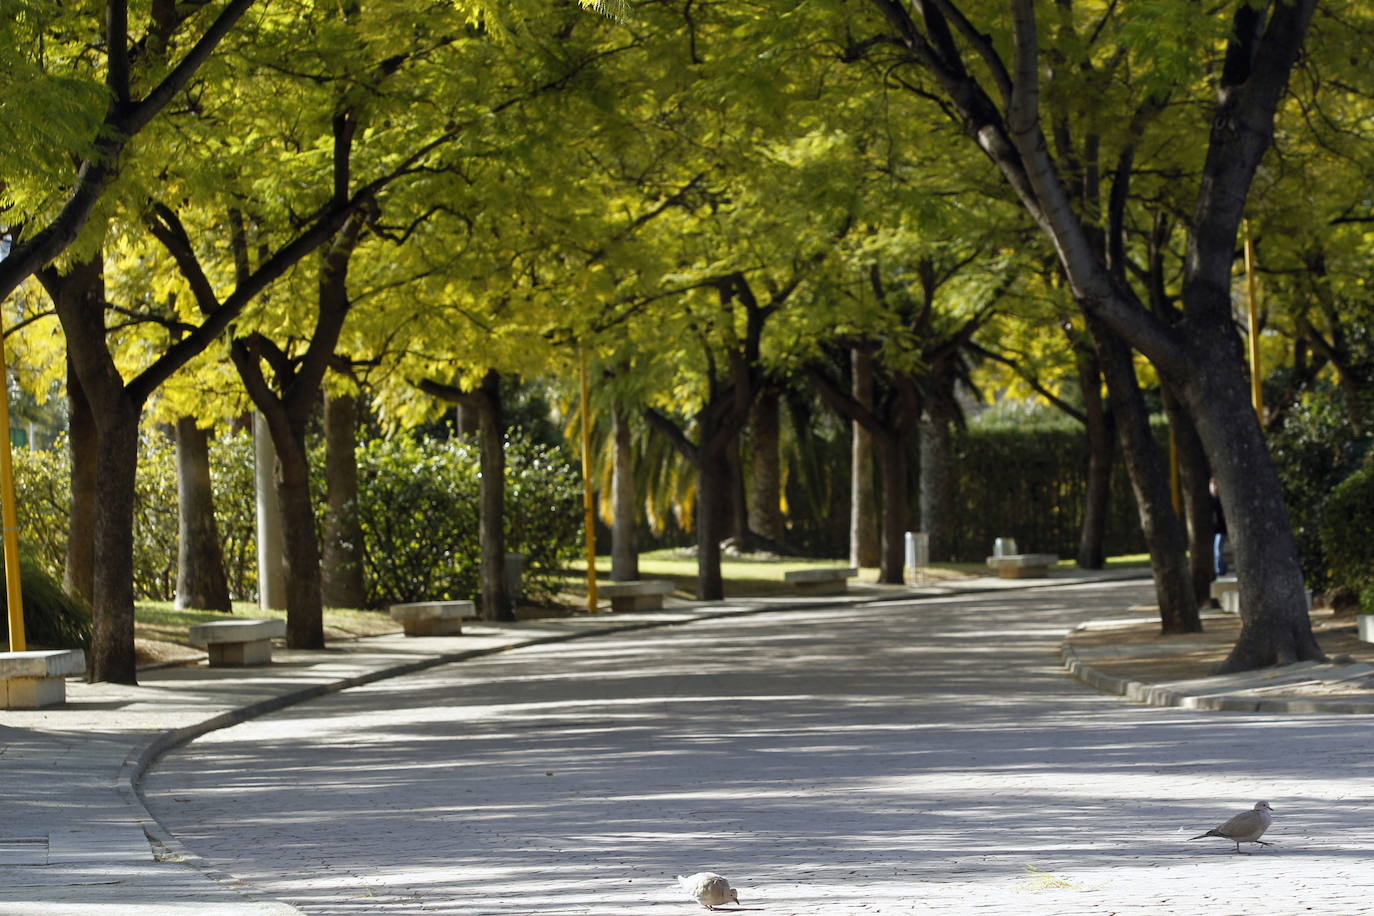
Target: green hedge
pixel 1347 531
pixel 418 506
pixel 1028 483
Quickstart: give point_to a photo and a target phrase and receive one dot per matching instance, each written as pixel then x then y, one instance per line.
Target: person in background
pixel 1218 531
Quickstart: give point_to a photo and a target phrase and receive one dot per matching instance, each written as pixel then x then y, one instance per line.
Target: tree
pixel 1000 106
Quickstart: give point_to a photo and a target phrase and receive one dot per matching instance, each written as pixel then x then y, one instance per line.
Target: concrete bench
pixel 829 581
pixel 433 618
pixel 238 643
pixel 1226 591
pixel 1023 565
pixel 636 594
pixel 32 680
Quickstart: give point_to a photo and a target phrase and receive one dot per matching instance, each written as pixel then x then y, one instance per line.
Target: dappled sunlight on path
pixel 909 757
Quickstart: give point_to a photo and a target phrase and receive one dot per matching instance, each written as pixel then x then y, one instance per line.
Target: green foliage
pixel 418 507
pixel 1347 531
pixel 1367 599
pixel 1028 483
pixel 1316 448
pixel 43 502
pixel 52 619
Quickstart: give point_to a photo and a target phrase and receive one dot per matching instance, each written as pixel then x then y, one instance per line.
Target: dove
pixel 708 888
pixel 1246 827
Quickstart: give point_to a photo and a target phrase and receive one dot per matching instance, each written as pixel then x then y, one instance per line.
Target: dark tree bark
pixel 201 582
pixel 341 555
pixel 1194 476
pixel 82 440
pixel 484 403
pixel 286 404
pixel 765 503
pixel 889 422
pixel 624 502
pixel 865 533
pixel 1099 424
pixel 496 598
pixel 1163 529
pixel 729 397
pixel 737 511
pixel 1197 355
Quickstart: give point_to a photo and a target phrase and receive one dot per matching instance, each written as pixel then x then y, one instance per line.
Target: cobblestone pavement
pixel 905 757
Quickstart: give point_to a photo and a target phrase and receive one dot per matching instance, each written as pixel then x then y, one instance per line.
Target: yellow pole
pixel 13 593
pixel 588 511
pixel 1256 395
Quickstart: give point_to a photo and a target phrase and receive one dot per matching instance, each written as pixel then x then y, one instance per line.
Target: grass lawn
pixel 160 629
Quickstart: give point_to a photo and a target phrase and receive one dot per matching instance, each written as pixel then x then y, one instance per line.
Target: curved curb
pixel 135 766
pixel 1161 695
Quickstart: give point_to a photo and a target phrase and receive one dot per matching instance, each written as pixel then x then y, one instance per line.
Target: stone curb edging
pixel 1161 695
pixel 136 764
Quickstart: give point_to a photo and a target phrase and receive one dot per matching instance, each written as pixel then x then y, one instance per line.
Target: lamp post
pixel 1252 310
pixel 588 510
pixel 8 518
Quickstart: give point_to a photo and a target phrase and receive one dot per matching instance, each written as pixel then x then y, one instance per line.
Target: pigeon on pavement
pixel 708 888
pixel 1246 827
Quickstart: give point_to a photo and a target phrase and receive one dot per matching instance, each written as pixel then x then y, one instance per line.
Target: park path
pixel 902 757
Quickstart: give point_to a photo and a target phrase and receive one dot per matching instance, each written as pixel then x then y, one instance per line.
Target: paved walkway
pixel 859 757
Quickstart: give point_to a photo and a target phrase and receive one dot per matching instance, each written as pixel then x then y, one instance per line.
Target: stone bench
pixel 34 679
pixel 1023 565
pixel 828 581
pixel 636 594
pixel 433 618
pixel 238 643
pixel 1226 591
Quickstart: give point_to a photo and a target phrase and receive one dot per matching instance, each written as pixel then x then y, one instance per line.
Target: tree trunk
pixel 1099 425
pixel 112 605
pixel 1178 610
pixel 1197 499
pixel 624 506
pixel 496 599
pixel 937 480
pixel 82 442
pixel 765 503
pixel 201 582
pixel 341 553
pixel 300 543
pixel 896 511
pixel 865 533
pixel 713 508
pixel 737 520
pixel 267 518
pixel 1275 627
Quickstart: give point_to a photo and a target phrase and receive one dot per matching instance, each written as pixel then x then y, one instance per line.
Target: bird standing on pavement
pixel 708 888
pixel 1246 827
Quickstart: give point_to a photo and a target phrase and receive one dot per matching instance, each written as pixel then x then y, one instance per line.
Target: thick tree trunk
pixel 765 503
pixel 201 582
pixel 78 579
pixel 713 509
pixel 341 553
pixel 1099 424
pixel 111 657
pixel 1275 627
pixel 496 598
pixel 937 479
pixel 624 505
pixel 896 507
pixel 300 544
pixel 737 520
pixel 1178 609
pixel 865 533
pixel 1194 476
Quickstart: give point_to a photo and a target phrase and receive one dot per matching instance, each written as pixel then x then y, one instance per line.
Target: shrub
pixel 1315 448
pixel 418 507
pixel 52 619
pixel 1347 531
pixel 1367 599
